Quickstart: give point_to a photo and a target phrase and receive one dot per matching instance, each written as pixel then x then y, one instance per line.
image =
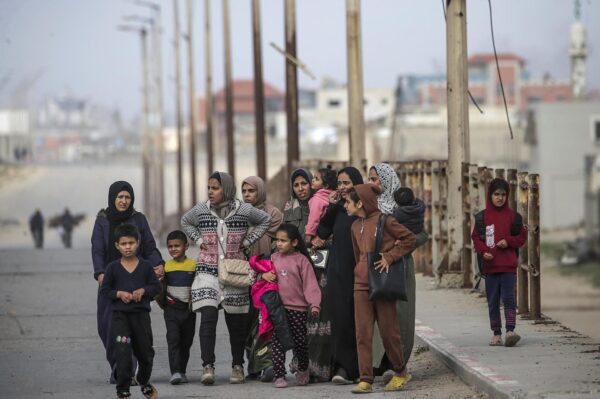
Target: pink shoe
pixel 302 377
pixel 280 382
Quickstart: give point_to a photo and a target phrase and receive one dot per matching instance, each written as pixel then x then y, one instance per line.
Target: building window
pixel 334 103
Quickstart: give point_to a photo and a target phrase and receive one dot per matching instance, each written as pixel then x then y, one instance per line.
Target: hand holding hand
pixel 270 277
pixel 317 242
pixel 137 294
pixel 488 256
pixel 159 270
pixel 125 296
pixel 382 265
pixel 502 243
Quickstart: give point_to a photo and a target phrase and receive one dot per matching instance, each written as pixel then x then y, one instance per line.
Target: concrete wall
pixel 564 137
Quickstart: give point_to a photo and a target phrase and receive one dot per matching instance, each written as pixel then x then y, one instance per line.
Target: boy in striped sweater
pixel 179 319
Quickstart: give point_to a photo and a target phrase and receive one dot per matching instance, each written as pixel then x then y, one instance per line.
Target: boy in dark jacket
pixel 498 248
pixel 130 282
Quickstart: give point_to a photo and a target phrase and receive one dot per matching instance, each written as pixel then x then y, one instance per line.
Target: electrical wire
pixel 499 75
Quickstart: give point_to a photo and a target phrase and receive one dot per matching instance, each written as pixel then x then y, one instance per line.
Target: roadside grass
pixel 588 270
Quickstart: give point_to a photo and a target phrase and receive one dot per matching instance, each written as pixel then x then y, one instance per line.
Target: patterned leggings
pixel 501 286
pixel 297 321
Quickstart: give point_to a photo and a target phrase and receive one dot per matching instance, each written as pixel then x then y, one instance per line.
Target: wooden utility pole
pixel 259 95
pixel 210 160
pixel 146 162
pixel 458 130
pixel 228 91
pixel 356 120
pixel 191 91
pixel 161 119
pixel 291 85
pixel 178 110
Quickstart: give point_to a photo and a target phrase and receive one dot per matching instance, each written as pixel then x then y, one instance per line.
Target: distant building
pixel 15 136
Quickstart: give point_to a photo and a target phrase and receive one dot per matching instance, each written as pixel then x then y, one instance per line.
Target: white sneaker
pixel 175 379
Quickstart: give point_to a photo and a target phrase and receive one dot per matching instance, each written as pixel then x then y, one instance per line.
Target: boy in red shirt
pixel 497 236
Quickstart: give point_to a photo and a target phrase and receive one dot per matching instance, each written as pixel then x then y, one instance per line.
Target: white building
pixel 15 136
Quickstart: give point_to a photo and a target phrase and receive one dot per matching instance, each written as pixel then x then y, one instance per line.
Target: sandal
pixel 496 340
pixel 511 338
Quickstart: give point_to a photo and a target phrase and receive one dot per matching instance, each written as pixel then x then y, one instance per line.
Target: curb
pixel 468 368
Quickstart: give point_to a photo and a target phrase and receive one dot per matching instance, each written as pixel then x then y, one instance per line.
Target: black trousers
pixel 132 332
pixel 238 330
pixel 181 328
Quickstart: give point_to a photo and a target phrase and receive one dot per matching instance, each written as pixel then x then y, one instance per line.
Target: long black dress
pixel 340 288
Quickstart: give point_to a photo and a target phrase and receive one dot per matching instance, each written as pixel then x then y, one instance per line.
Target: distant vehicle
pixel 579 251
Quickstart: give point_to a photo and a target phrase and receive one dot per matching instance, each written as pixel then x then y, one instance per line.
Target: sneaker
pixel 341 377
pixel 175 379
pixel 237 375
pixel 387 376
pixel 123 394
pixel 149 391
pixel 302 377
pixel 397 382
pixel 268 374
pixel 184 379
pixel 511 338
pixel 362 387
pixel 280 382
pixel 208 375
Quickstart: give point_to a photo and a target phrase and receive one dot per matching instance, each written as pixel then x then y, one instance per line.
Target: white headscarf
pixel 389 184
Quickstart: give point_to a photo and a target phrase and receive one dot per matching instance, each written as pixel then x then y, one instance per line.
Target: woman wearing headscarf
pixel 258 352
pixel 384 176
pixel 296 208
pixel 336 223
pixel 220 227
pixel 120 210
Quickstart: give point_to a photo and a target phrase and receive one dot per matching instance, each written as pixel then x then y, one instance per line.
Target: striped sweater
pixel 224 239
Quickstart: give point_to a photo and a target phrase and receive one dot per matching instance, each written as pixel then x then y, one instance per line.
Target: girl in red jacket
pixel 497 241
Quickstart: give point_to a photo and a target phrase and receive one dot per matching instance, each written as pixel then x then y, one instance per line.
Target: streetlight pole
pixel 191 88
pixel 228 90
pixel 176 36
pixel 259 95
pixel 208 84
pixel 291 85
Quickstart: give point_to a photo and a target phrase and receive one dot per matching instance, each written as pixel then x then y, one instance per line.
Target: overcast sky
pixel 77 47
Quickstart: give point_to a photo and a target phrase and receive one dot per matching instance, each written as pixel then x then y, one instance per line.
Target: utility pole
pixel 291 85
pixel 208 96
pixel 458 130
pixel 356 118
pixel 259 95
pixel 228 90
pixel 160 107
pixel 178 110
pixel 191 88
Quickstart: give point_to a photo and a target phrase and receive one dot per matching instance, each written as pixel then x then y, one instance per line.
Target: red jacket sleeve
pixel 478 245
pixel 519 240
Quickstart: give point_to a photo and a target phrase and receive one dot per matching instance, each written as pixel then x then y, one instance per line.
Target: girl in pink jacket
pixel 324 182
pixel 299 292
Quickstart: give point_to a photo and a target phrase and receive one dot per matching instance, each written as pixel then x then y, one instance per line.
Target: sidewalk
pixel 551 361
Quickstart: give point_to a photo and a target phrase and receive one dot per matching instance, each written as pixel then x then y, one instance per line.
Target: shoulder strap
pixel 480 224
pixel 379 232
pixel 517 224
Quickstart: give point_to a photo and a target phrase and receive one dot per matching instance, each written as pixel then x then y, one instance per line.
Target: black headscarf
pixel 353 174
pixel 116 217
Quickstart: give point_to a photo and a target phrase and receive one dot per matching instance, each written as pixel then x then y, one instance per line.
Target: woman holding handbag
pixel 220 227
pixel 361 201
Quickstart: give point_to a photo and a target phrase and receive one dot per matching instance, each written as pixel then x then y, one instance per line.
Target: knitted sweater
pixel 224 239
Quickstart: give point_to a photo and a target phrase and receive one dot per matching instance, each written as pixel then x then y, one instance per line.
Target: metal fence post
pixel 436 209
pixel 427 194
pixel 466 226
pixel 534 246
pixel 522 271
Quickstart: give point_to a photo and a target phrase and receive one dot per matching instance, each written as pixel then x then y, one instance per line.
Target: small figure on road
pixel 36 226
pixel 67 222
pixel 179 319
pixel 299 291
pixel 119 211
pixel 396 241
pixel 130 284
pixel 221 228
pixel 497 236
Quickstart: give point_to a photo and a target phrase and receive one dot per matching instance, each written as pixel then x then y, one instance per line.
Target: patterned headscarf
pixel 261 192
pixel 389 183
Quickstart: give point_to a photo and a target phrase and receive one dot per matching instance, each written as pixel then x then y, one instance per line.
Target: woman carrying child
pixel 299 291
pixel 396 242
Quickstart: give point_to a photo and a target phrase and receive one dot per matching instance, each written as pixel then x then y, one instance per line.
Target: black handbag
pixel 390 286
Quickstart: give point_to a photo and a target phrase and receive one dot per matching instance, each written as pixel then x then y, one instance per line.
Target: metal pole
pixel 534 246
pixel 259 95
pixel 178 110
pixel 291 85
pixel 161 119
pixel 192 106
pixel 458 130
pixel 522 274
pixel 148 204
pixel 210 160
pixel 228 91
pixel 356 121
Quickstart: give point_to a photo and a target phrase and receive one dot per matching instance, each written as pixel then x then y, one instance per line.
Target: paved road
pixel 49 347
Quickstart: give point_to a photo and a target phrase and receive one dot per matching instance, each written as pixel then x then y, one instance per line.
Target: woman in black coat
pixel 340 279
